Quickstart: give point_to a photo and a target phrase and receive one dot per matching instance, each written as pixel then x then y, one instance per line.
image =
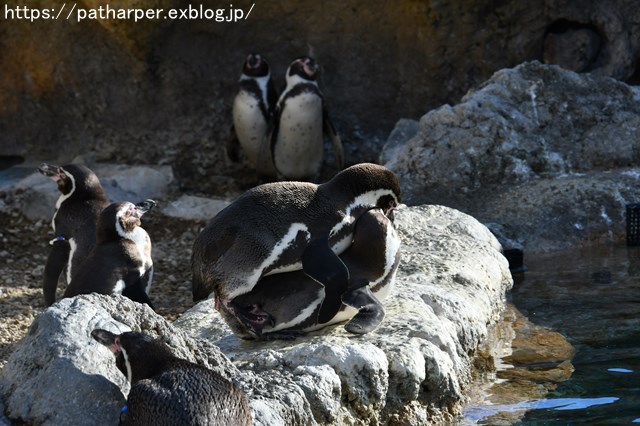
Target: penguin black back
pixel 274 228
pixel 286 304
pixel 167 390
pixel 74 222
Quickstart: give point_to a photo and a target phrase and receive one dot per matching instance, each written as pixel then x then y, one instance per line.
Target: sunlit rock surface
pixel 414 368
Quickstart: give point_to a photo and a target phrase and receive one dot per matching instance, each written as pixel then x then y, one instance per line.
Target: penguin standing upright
pixel 74 222
pixel 121 260
pixel 300 122
pixel 287 226
pixel 253 108
pixel 167 390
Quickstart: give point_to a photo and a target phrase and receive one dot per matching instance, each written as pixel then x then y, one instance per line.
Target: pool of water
pixel 592 297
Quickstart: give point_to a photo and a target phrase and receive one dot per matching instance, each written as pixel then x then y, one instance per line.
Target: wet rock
pixel 525 152
pixel 520 362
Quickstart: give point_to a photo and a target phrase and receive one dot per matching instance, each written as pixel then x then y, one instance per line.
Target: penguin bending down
pixel 286 226
pixel 121 260
pixel 300 122
pixel 281 305
pixel 74 222
pixel 253 108
pixel 167 390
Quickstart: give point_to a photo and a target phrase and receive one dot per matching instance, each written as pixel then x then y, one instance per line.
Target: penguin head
pixel 138 356
pixel 74 179
pixel 119 220
pixel 302 68
pixel 371 180
pixel 255 65
pixel 246 321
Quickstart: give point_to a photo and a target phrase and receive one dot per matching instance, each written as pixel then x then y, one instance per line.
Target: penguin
pixel 286 226
pixel 286 305
pixel 74 221
pixel 121 260
pixel 301 119
pixel 253 108
pixel 167 390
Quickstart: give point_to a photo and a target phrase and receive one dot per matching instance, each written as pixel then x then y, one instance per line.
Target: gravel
pixel 23 253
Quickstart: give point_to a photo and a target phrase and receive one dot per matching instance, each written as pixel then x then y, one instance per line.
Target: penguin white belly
pixel 344 315
pixel 250 125
pixel 392 247
pixel 143 243
pixel 298 150
pixel 72 251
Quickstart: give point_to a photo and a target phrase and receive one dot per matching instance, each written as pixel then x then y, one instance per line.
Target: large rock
pixel 545 153
pixel 58 375
pixel 158 91
pixel 450 285
pixel 413 369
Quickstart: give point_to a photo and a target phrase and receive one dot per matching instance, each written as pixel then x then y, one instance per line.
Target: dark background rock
pixel 159 91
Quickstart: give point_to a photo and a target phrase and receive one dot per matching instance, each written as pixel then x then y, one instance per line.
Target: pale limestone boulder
pixel 412 369
pixel 451 284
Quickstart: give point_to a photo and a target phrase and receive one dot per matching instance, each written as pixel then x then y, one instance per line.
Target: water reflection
pixel 592 297
pixel 478 414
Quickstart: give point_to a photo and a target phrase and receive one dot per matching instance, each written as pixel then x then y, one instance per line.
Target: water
pixel 592 297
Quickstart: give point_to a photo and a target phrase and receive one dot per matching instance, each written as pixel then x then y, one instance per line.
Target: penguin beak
pixel 388 212
pixel 54 172
pixel 107 339
pixel 143 207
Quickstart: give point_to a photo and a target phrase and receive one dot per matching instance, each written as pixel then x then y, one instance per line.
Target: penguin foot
pixel 370 310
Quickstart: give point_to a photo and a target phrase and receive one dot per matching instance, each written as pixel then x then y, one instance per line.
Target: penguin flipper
pixel 265 164
pixel 58 258
pixel 370 310
pixel 336 142
pixel 323 265
pixel 233 146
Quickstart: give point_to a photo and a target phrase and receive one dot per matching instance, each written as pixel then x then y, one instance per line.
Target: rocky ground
pixel 23 254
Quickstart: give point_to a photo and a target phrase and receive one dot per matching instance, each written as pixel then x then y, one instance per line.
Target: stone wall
pixel 159 91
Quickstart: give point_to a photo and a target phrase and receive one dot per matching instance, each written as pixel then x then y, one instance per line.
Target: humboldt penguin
pixel 301 120
pixel 286 226
pixel 167 390
pixel 253 108
pixel 74 222
pixel 120 263
pixel 287 304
